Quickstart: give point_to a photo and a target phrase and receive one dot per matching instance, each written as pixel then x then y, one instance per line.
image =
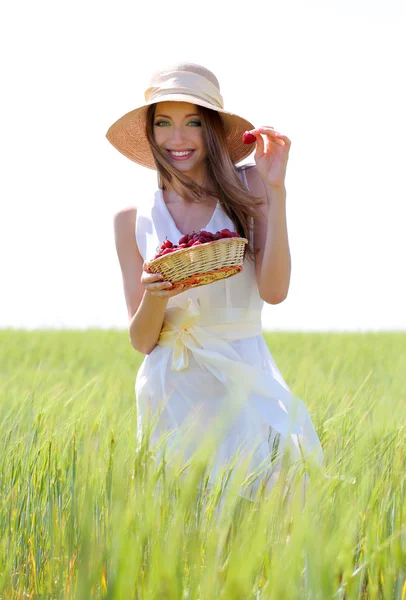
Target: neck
pixel 199 175
pixel 202 180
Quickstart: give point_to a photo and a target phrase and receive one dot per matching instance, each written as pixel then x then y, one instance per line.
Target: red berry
pixel 167 251
pixel 197 243
pixel 225 233
pixel 183 245
pixel 168 244
pixel 248 138
pixel 184 239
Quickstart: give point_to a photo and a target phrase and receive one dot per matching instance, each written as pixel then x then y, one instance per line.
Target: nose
pixel 177 135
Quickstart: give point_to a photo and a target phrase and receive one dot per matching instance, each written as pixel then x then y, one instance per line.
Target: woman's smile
pixel 180 154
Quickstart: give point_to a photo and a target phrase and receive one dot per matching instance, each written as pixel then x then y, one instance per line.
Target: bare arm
pixel 146 323
pixel 145 294
pixel 272 252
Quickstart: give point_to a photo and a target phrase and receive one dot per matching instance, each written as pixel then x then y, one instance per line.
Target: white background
pixel 331 76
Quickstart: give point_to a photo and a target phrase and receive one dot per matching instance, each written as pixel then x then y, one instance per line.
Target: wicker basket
pixel 202 264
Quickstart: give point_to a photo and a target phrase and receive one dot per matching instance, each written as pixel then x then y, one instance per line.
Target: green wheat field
pixel 85 513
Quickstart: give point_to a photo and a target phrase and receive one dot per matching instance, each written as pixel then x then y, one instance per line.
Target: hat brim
pixel 129 136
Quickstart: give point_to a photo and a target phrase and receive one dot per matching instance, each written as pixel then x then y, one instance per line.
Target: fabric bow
pixel 181 331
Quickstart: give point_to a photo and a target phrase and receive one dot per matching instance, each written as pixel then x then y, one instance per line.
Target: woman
pixel 207 368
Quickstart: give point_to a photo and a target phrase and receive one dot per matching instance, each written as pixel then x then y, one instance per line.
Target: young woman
pixel 207 368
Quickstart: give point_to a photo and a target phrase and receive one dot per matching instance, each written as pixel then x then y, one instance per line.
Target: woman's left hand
pixel 271 155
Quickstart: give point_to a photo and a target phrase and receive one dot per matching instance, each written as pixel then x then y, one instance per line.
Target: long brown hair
pixel 235 199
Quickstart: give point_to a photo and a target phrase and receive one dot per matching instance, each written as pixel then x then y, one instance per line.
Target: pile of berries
pixel 194 239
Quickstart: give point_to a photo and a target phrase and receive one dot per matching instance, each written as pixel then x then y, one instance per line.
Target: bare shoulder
pixel 124 226
pixel 124 229
pixel 125 216
pixel 130 259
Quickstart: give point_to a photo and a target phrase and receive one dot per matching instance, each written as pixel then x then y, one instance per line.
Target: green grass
pixel 83 514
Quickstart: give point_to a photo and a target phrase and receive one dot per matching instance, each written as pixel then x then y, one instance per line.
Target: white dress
pixel 212 373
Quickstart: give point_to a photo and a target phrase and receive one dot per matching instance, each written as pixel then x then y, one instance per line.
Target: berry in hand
pixel 248 138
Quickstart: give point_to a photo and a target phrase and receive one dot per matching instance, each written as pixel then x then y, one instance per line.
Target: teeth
pixel 181 153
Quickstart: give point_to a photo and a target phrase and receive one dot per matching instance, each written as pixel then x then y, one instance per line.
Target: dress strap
pixel 140 237
pixel 244 177
pixel 241 169
pixel 149 227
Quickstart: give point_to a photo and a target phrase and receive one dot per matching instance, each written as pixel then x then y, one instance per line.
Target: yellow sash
pixel 183 332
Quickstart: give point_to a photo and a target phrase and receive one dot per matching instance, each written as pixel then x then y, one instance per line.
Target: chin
pixel 187 168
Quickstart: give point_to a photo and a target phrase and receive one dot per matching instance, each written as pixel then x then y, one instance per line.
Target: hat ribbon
pixel 184 83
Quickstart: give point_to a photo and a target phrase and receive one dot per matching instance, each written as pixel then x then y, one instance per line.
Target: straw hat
pixel 184 82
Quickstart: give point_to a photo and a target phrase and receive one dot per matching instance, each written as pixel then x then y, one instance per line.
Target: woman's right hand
pixel 155 284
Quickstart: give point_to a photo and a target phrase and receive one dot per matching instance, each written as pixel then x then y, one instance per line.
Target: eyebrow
pixel 168 117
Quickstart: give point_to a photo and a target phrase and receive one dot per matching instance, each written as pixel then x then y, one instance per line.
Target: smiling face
pixel 178 133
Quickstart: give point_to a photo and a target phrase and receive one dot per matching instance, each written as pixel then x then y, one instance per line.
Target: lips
pixel 181 157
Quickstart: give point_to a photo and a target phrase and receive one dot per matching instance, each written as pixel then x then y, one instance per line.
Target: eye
pixel 159 123
pixel 196 123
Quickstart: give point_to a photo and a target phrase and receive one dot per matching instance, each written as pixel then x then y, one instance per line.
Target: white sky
pixel 330 75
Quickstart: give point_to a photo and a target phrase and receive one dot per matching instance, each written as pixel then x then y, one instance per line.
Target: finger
pixel 259 148
pixel 178 287
pixel 274 141
pixel 273 136
pixel 264 129
pixel 145 268
pixel 151 277
pixel 285 139
pixel 160 294
pixel 166 293
pixel 162 285
pixel 270 131
pixel 280 140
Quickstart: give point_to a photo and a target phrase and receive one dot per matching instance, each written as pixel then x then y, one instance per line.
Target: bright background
pixel 330 75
